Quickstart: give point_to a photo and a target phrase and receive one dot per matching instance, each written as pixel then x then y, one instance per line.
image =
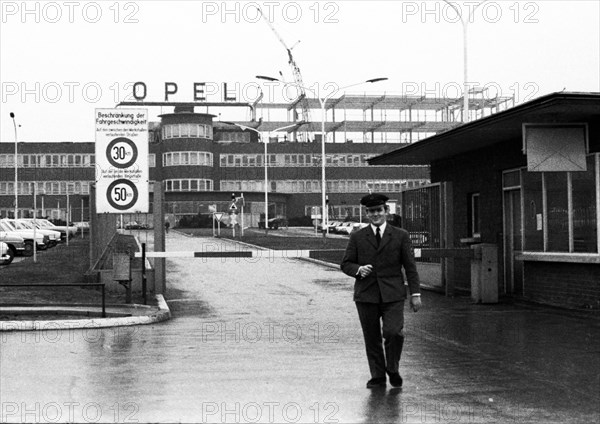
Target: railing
pixel 65 285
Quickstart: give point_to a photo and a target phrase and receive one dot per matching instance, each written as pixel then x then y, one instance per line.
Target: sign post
pixel 315 215
pixel 240 202
pixel 213 209
pixel 217 217
pixel 122 161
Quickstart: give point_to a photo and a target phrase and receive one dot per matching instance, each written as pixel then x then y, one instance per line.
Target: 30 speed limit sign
pixel 121 160
pixel 121 152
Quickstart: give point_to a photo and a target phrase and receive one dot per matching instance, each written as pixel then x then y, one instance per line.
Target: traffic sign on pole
pixel 122 160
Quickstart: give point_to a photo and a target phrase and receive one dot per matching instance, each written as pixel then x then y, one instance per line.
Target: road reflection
pixel 383 405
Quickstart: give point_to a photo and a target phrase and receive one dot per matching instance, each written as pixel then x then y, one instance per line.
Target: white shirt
pixel 381 228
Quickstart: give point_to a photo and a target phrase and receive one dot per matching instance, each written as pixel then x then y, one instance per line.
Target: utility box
pixel 122 272
pixel 484 273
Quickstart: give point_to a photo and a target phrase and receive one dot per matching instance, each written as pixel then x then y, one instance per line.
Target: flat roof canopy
pixel 502 126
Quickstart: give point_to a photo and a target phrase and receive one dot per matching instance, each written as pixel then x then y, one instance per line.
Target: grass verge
pixel 328 249
pixel 60 264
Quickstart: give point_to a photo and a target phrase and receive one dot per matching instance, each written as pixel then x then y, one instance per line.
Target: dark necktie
pixel 378 236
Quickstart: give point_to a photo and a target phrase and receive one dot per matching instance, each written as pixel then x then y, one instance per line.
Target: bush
pixel 300 221
pixel 195 221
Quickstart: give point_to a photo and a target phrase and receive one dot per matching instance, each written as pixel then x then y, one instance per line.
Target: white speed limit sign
pixel 121 160
pixel 122 194
pixel 121 152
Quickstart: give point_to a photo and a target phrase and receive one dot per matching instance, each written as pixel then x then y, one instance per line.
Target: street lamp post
pixel 323 102
pixel 265 161
pixel 464 23
pixel 12 115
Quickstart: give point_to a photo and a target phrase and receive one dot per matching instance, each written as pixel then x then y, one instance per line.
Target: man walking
pixel 374 257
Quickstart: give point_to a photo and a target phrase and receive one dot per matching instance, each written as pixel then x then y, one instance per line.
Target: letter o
pixel 57 13
pixel 98 9
pixel 298 412
pixel 286 16
pixel 56 87
pixel 498 11
pixel 57 412
pixel 98 410
pixel 98 89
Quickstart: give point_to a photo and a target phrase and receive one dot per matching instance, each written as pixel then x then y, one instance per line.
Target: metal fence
pixel 422 217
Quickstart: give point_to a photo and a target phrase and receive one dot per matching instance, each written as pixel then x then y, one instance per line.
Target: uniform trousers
pixel 372 316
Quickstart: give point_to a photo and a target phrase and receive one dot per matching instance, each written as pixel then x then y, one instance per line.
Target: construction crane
pixel 297 76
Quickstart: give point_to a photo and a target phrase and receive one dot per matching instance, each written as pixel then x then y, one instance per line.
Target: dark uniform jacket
pixel 394 252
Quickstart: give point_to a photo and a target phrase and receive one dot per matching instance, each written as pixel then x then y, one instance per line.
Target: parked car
pixel 83 226
pixel 15 242
pixel 53 236
pixel 344 228
pixel 359 226
pixel 29 236
pixel 332 224
pixel 274 223
pixel 6 254
pixel 71 230
pixel 134 225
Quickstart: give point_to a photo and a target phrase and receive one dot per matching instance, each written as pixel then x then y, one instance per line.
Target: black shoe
pixel 395 379
pixel 376 382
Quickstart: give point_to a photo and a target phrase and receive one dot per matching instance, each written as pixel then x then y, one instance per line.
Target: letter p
pixel 209 8
pixel 9 8
pixel 408 9
pixel 9 89
pixel 209 408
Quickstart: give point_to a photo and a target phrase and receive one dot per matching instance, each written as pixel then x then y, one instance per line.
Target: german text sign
pixel 121 160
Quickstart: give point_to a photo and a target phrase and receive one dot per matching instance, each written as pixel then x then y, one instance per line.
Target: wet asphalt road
pixel 260 340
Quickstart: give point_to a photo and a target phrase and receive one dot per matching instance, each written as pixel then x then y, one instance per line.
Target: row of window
pixel 45 187
pixel 559 210
pixel 51 213
pixel 188 184
pixel 314 186
pixel 257 160
pixel 187 158
pixel 233 137
pixel 187 131
pixel 59 160
pixel 339 212
pixel 64 160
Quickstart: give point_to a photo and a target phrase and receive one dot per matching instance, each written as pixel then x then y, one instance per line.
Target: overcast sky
pixel 61 60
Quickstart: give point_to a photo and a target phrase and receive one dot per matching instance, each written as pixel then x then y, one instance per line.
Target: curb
pixel 163 314
pixel 322 263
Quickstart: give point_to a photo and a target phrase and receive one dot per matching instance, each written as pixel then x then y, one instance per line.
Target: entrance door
pixel 513 268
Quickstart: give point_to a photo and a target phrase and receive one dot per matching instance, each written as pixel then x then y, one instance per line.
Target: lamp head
pixel 377 79
pixel 263 77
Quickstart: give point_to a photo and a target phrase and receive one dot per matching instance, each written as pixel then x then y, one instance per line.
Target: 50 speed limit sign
pixel 121 160
pixel 122 194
